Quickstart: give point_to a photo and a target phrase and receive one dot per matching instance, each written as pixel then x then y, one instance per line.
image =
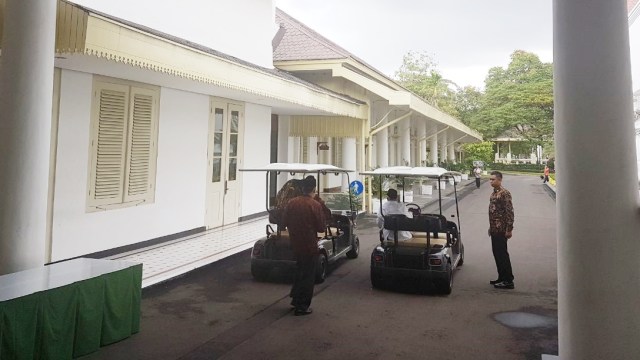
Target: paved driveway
pixel 220 312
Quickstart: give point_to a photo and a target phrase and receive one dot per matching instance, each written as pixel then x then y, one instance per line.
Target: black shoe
pixel 302 312
pixel 504 285
pixel 493 282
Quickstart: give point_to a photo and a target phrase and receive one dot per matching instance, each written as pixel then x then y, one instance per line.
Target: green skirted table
pixel 68 309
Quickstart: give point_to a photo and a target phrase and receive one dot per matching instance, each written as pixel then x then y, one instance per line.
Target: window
pixel 124 136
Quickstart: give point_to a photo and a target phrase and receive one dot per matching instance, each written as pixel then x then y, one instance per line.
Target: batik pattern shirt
pixel 500 211
pixel 305 218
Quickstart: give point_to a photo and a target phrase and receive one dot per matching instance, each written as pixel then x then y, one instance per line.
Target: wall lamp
pixel 321 145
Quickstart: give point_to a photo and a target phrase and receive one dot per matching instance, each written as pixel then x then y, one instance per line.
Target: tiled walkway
pixel 165 261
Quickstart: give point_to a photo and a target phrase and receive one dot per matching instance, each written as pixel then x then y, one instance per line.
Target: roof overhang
pixel 385 88
pixel 80 31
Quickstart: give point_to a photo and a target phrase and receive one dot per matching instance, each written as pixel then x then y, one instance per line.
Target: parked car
pixel 435 249
pixel 274 250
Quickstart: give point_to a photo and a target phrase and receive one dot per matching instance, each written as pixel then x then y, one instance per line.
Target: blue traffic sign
pixel 357 187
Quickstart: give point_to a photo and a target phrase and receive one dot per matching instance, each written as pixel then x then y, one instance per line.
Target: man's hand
pixel 508 234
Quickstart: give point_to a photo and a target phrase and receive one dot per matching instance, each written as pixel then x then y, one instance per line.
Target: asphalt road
pixel 219 312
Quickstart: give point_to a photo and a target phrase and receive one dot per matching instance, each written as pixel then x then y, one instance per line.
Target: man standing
pixel 304 216
pixel 500 229
pixel 392 207
pixel 546 174
pixel 477 172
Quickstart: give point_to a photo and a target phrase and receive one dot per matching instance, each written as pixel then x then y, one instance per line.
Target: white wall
pixel 241 28
pixel 180 181
pixel 634 44
pixel 257 145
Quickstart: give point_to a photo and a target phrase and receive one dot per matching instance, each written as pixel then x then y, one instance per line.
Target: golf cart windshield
pixel 332 183
pixel 405 179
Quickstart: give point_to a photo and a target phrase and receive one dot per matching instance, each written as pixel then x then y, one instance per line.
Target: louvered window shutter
pixel 141 157
pixel 305 150
pixel 108 144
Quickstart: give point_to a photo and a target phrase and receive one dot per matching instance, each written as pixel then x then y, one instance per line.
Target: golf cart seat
pixel 419 239
pixel 284 235
pixel 422 223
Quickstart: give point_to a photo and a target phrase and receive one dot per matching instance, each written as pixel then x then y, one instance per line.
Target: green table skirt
pixel 72 320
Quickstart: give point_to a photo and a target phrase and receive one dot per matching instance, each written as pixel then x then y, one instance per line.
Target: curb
pixel 550 191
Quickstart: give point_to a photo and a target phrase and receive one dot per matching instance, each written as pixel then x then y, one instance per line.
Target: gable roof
pixel 300 42
pixel 303 43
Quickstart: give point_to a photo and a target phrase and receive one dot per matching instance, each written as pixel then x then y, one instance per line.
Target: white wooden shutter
pixel 305 150
pixel 108 143
pixel 141 156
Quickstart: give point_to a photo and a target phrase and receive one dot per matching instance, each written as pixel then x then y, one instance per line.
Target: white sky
pixel 465 37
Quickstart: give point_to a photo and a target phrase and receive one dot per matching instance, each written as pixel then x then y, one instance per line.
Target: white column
pixel 26 92
pixel 422 143
pixel 348 159
pixel 285 146
pixel 597 195
pixel 382 148
pixel 393 146
pixel 312 149
pixel 296 154
pixel 451 153
pixel 444 148
pixel 405 142
pixel 433 148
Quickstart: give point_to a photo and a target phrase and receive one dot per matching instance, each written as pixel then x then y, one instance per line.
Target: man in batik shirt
pixel 305 216
pixel 500 229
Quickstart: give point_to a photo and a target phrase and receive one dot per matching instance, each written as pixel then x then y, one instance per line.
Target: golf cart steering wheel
pixel 414 209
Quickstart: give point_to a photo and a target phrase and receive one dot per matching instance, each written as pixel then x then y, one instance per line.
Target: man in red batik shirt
pixel 305 216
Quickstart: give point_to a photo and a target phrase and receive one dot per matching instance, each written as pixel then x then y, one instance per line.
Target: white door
pixel 224 159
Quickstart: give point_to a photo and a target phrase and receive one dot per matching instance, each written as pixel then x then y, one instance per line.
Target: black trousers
pixel 501 255
pixel 305 279
pixel 477 182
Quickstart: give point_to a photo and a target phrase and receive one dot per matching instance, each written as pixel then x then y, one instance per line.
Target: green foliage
pixel 341 201
pixel 419 74
pixel 518 99
pixel 478 151
pixel 467 103
pixel 534 168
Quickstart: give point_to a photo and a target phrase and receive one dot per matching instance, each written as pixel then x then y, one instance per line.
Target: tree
pixel 478 151
pixel 467 103
pixel 518 99
pixel 419 74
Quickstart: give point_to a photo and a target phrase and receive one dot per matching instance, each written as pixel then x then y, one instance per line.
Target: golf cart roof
pixel 420 171
pixel 298 168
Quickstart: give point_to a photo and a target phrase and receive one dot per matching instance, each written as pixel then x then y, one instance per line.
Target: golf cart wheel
pixel 445 285
pixel 355 248
pixel 461 261
pixel 321 270
pixel 259 273
pixel 377 282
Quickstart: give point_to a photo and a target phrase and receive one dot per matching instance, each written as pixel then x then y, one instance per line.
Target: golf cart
pixel 435 248
pixel 338 239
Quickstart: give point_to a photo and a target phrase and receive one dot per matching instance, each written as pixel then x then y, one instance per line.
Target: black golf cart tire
pixel 461 261
pixel 321 270
pixel 355 248
pixel 259 273
pixel 377 281
pixel 445 286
